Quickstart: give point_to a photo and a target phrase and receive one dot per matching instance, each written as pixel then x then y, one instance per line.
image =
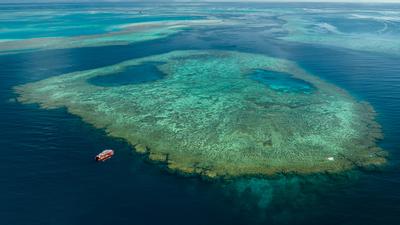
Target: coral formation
pixel 124 35
pixel 304 29
pixel 128 36
pixel 207 116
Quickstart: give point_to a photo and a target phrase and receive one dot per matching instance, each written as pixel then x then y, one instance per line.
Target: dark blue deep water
pixel 48 175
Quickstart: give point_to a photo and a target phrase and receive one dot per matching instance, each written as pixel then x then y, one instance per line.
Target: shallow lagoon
pixel 133 187
pixel 283 82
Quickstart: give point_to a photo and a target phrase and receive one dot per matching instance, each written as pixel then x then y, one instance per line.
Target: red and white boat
pixel 104 155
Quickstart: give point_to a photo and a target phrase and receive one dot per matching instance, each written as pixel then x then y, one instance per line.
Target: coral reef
pixel 304 29
pixel 206 116
pixel 128 36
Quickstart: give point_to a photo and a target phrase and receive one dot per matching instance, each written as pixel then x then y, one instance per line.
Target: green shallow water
pixel 208 117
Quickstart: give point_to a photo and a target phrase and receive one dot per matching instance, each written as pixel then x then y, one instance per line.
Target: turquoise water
pixel 75 24
pixel 48 175
pixel 282 82
pixel 356 25
pixel 19 22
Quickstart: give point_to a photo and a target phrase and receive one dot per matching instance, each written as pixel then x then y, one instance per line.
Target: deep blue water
pixel 48 175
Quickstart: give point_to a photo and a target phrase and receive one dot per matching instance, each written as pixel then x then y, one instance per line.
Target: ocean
pixel 47 171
